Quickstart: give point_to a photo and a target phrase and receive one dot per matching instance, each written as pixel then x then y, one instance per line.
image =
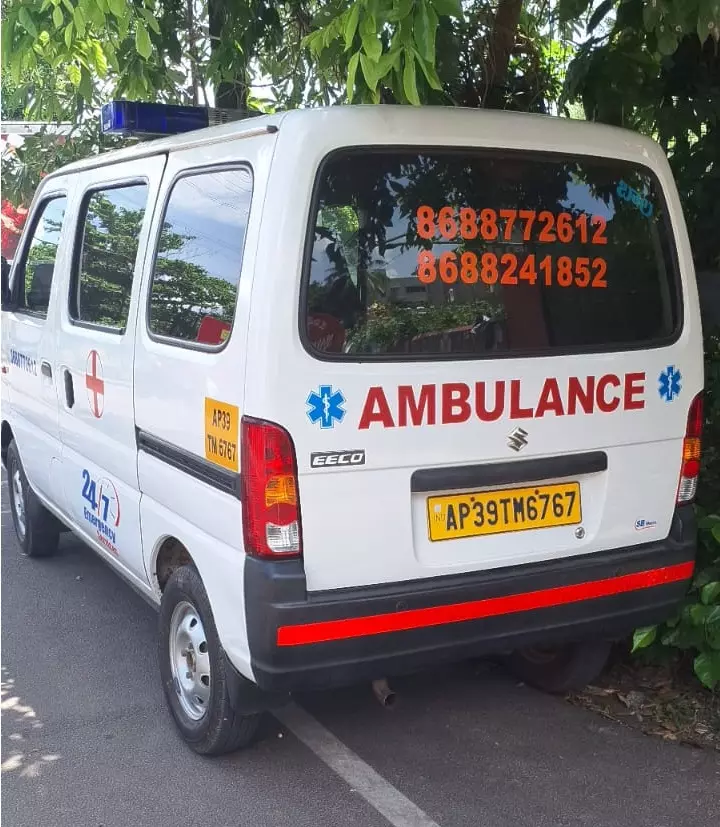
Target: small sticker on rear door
pixel 327 459
pixel 221 433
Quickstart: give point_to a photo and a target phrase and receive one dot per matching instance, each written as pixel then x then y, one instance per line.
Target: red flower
pixel 13 219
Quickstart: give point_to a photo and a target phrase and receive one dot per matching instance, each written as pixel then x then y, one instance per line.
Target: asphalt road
pixel 86 740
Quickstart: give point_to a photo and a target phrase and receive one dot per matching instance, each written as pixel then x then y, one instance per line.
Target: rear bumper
pixel 305 641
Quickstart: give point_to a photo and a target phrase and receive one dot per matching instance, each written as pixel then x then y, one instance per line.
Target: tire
pixel 37 530
pixel 560 669
pixel 189 651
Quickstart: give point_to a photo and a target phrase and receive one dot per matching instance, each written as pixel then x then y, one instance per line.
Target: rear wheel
pixel 560 669
pixel 37 530
pixel 194 670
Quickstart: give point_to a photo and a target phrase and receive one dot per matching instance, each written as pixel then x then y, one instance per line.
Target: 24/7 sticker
pixel 221 433
pixel 104 512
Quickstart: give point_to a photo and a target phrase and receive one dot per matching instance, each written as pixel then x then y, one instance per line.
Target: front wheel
pixel 37 530
pixel 560 669
pixel 194 670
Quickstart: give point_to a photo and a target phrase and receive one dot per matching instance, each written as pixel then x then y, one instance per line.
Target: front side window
pixel 469 254
pixel 35 272
pixel 111 225
pixel 199 257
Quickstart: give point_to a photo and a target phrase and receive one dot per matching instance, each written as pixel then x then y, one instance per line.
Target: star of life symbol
pixel 669 383
pixel 325 406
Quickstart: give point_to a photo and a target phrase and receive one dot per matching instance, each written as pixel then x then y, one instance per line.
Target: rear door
pixel 494 366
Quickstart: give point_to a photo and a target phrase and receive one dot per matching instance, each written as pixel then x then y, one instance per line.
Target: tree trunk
pixel 502 40
pixel 229 94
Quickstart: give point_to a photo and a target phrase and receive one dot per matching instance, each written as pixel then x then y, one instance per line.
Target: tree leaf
pixel 73 73
pixel 99 58
pixel 79 20
pixel 151 20
pixel 85 88
pixel 425 29
pixel 119 8
pixel 351 25
pixel 27 22
pixel 710 593
pixel 716 532
pixel 370 37
pixel 95 15
pixel 69 34
pixel 431 75
pixel 176 76
pixel 400 10
pixel 448 8
pixel 410 78
pixel 369 70
pixel 707 668
pixel 652 14
pixel 6 36
pixel 667 41
pixel 643 637
pixel 142 40
pixel 352 71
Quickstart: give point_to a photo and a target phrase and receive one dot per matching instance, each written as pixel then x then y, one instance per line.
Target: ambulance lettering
pixel 456 402
pixel 104 517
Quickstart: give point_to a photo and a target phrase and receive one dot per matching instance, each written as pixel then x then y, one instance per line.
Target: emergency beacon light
pixel 154 119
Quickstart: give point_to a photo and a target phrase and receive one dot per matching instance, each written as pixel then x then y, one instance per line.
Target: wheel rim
pixel 18 503
pixel 189 660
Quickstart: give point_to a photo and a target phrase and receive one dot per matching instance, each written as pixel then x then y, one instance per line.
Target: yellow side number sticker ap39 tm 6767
pixel 221 433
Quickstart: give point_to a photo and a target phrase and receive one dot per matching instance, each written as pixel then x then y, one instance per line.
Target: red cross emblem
pixel 94 384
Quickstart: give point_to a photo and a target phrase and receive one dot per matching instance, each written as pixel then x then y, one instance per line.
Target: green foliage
pixel 696 626
pixel 657 69
pixel 709 488
pixel 392 42
pixel 437 52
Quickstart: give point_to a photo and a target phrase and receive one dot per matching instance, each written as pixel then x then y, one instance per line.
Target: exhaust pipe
pixel 383 693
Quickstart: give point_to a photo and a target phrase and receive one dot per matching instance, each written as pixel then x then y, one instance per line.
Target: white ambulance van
pixel 350 392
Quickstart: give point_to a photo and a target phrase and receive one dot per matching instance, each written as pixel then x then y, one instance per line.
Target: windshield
pixel 469 253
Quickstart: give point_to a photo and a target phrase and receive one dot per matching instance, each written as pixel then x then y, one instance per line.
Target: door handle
pixel 69 389
pixel 46 369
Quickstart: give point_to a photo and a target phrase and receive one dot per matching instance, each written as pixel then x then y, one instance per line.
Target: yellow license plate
pixel 496 512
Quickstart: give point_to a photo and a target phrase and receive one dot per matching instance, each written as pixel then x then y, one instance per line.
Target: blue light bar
pixel 154 119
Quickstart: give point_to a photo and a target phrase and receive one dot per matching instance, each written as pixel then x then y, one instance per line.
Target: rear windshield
pixel 471 254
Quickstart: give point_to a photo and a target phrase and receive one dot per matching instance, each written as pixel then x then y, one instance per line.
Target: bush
pixel 696 626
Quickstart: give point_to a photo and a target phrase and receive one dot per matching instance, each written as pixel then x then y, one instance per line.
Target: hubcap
pixel 189 660
pixel 18 502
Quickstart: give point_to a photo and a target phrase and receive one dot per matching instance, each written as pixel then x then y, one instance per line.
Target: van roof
pixel 379 116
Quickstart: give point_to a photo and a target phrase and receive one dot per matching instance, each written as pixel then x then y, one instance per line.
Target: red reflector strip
pixel 352 627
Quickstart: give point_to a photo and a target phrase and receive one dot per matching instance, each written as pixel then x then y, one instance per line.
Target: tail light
pixel 691 452
pixel 271 512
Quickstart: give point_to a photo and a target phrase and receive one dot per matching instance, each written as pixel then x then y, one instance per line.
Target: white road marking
pixel 362 778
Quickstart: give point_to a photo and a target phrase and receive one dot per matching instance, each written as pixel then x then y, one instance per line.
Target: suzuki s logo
pixel 517 440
